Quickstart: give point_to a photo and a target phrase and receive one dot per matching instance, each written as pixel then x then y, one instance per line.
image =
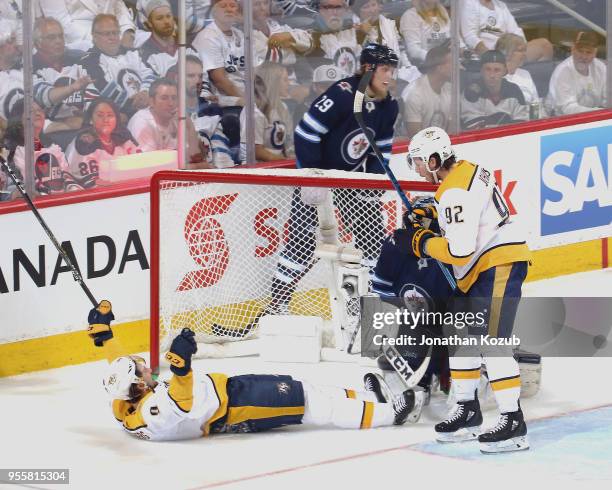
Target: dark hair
pixel 161 82
pixel 94 105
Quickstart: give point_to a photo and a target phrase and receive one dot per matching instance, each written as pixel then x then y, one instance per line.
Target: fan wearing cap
pixel 492 100
pixel 578 84
pixel 192 404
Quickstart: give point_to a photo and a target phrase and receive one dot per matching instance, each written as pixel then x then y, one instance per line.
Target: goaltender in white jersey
pixel 193 404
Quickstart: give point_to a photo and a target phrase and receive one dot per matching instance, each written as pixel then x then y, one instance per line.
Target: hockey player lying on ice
pixel 195 404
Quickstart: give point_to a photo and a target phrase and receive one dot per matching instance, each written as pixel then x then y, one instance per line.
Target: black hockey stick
pixel 358 111
pixel 75 272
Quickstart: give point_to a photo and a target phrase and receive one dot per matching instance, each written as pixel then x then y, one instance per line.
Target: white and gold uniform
pixel 183 408
pixel 478 230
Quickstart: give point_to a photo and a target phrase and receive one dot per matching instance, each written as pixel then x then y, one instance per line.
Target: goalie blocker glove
pixel 179 356
pixel 99 320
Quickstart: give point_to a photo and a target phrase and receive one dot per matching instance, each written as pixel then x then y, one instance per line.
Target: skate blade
pixel 419 403
pixel 514 444
pixel 462 435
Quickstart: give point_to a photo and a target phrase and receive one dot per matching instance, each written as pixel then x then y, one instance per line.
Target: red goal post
pixel 217 236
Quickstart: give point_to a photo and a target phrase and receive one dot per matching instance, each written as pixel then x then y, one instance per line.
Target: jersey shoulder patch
pixel 461 177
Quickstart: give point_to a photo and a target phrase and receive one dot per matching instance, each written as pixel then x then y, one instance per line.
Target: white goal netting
pixel 228 245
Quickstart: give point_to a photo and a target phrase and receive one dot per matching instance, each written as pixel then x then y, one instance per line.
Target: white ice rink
pixel 61 419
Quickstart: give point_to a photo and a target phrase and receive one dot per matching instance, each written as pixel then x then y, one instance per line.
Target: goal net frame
pixel 251 177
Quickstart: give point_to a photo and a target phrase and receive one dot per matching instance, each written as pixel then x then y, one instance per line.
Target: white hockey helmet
pixel 120 376
pixel 428 142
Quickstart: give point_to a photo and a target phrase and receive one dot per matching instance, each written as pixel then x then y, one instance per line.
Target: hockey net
pixel 219 238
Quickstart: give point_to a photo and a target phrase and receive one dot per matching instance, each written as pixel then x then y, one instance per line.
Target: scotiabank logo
pixel 206 240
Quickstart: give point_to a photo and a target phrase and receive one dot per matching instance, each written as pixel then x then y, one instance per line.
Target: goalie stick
pixel 76 274
pixel 409 377
pixel 357 110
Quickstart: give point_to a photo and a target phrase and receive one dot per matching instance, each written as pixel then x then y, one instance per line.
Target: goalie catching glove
pixel 99 320
pixel 179 356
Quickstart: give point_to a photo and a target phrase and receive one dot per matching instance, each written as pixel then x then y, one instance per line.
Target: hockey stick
pixel 358 110
pixel 75 272
pixel 409 377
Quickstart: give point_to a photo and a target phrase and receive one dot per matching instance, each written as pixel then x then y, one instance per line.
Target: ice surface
pixel 61 419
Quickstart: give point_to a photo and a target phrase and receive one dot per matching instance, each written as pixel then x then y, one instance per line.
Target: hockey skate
pixel 373 382
pixel 463 423
pixel 376 384
pixel 402 406
pixel 510 434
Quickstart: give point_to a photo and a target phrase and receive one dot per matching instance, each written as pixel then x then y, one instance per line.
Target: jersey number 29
pixel 324 104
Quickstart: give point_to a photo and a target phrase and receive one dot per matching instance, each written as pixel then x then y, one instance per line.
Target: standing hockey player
pixel 194 404
pixel 329 137
pixel 490 257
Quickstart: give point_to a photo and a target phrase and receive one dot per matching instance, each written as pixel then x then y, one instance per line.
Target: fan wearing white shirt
pixel 578 84
pixel 483 22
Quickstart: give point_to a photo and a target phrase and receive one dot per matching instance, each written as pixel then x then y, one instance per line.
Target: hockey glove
pixel 418 238
pixel 181 350
pixel 99 320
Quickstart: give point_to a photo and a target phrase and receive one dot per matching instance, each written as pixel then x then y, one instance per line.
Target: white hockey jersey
pixel 182 408
pixel 11 90
pixel 478 230
pixel 117 77
pixel 285 56
pixel 46 78
pixel 220 51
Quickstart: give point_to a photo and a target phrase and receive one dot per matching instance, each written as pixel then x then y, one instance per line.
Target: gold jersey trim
pixel 219 382
pixel 460 177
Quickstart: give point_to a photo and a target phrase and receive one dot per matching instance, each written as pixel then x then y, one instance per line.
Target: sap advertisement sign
pixel 576 182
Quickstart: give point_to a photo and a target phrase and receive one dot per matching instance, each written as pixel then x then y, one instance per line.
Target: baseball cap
pixel 326 73
pixel 493 56
pixel 587 38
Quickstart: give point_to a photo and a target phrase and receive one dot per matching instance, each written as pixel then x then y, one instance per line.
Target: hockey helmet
pixel 428 142
pixel 378 54
pixel 120 376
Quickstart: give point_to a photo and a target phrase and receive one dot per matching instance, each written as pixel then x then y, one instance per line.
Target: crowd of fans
pixel 105 75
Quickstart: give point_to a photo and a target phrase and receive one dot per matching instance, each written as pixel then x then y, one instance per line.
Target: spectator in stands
pixel 160 51
pixel 578 84
pixel 59 78
pixel 102 139
pixel 322 78
pixel 424 26
pixel 11 73
pixel 156 127
pixel 221 47
pixel 12 10
pixel 484 21
pixel 374 27
pixel 514 48
pixel 427 101
pixel 118 74
pixel 51 174
pixel 273 125
pixel 335 37
pixel 76 17
pixel 197 14
pixel 492 100
pixel 276 42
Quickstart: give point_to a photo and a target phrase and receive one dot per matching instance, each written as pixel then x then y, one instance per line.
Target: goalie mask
pixel 121 374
